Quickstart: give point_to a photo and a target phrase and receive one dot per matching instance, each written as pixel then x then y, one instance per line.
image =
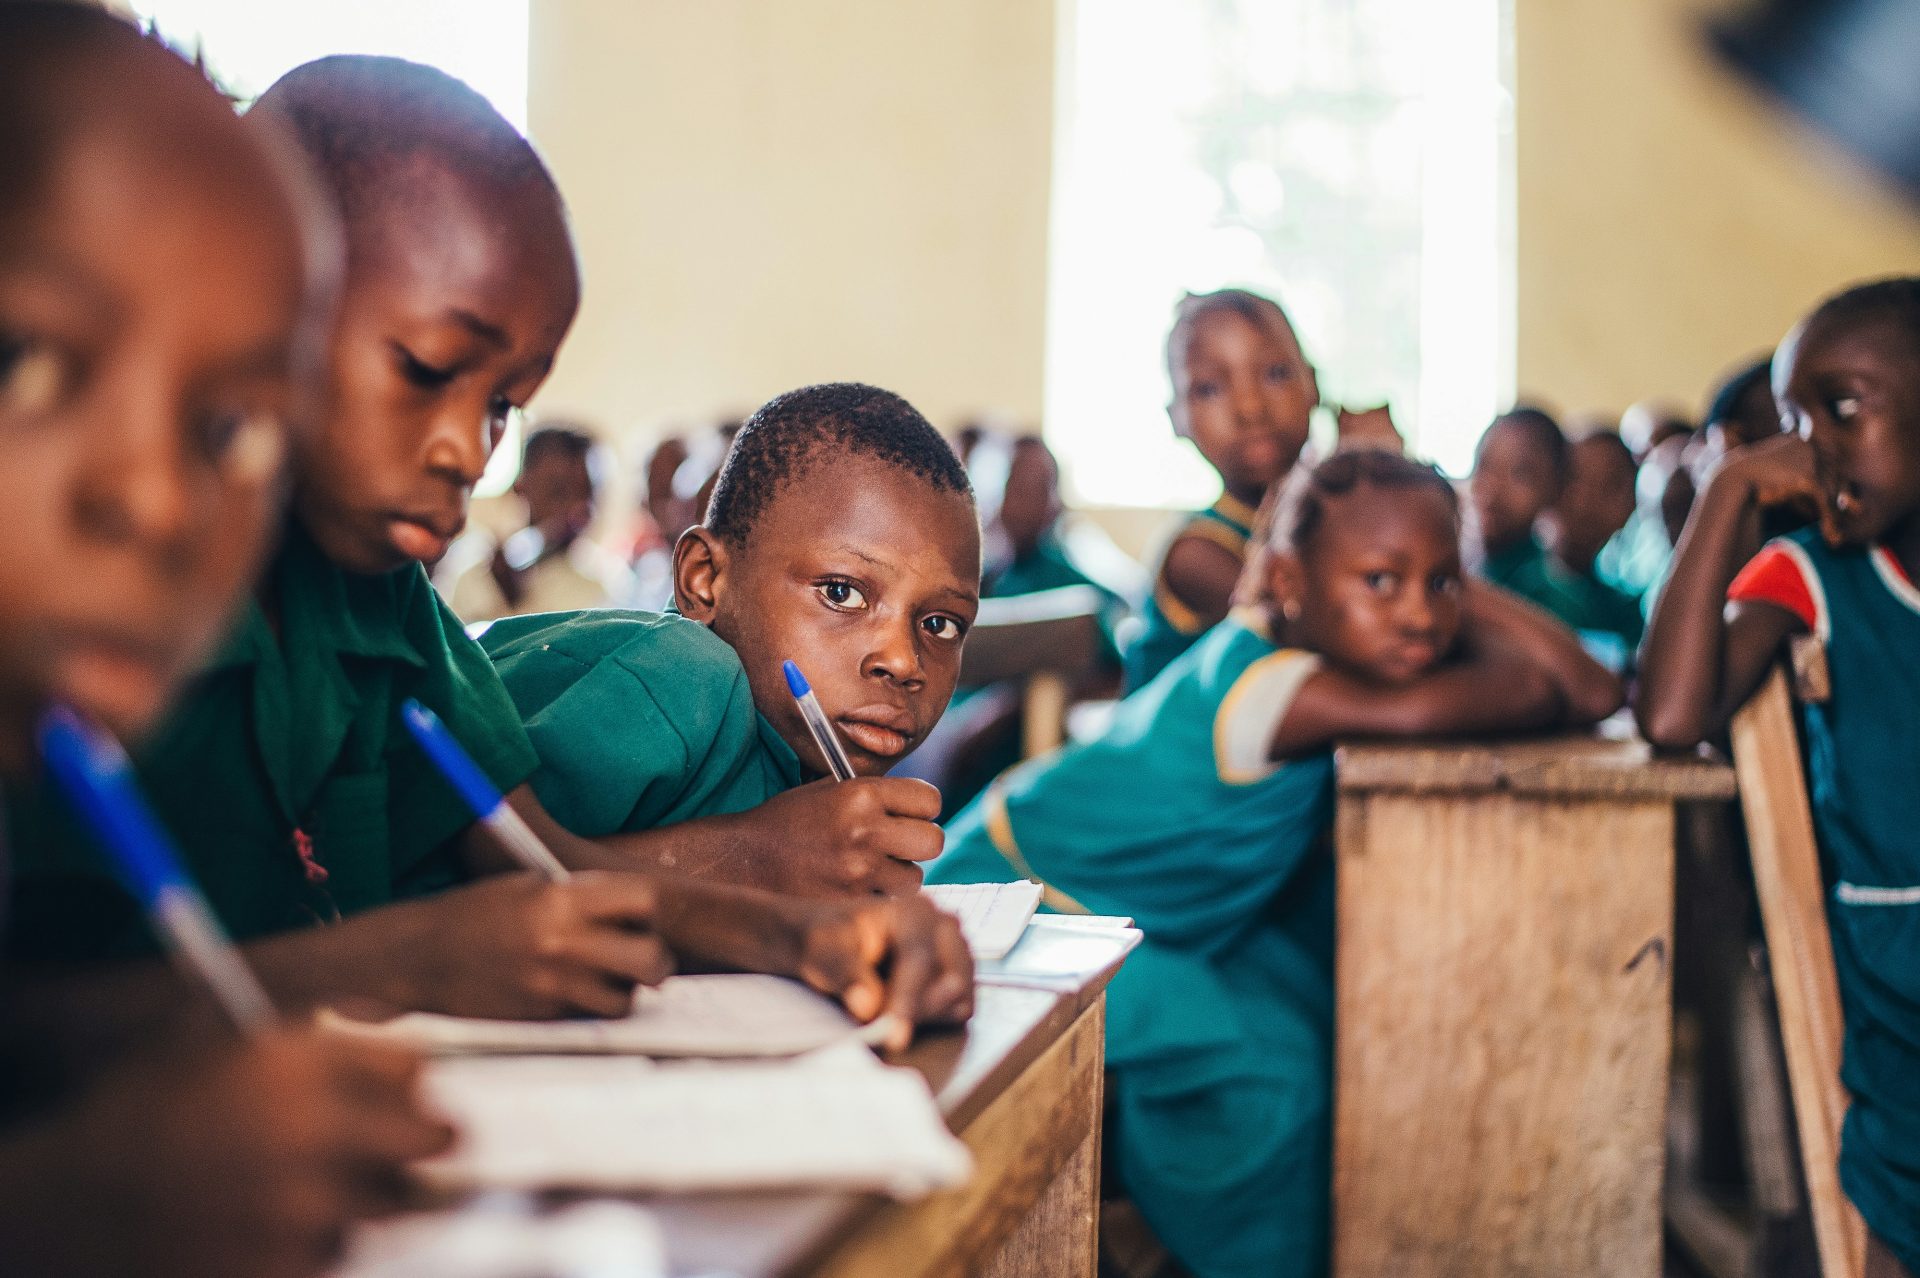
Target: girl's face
pixel 151 333
pixel 1244 394
pixel 1853 393
pixel 1378 589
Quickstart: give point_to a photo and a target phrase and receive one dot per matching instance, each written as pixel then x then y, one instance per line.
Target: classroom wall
pixel 1669 223
pixel 771 194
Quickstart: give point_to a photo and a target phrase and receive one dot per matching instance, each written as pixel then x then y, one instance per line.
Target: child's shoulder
pixel 654 645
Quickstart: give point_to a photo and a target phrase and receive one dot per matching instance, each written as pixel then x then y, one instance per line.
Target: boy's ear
pixel 700 565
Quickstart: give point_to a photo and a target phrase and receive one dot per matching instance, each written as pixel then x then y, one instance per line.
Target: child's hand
pixel 1368 428
pixel 903 958
pixel 1775 472
pixel 518 947
pixel 248 1160
pixel 833 838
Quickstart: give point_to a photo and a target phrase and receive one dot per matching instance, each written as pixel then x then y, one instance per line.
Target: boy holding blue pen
pixel 145 398
pixel 841 542
pixel 286 774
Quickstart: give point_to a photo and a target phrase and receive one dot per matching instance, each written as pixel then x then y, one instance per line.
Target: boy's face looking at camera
pixel 1377 587
pixel 1244 394
pixel 1514 480
pixel 864 575
pixel 154 329
pixel 1851 388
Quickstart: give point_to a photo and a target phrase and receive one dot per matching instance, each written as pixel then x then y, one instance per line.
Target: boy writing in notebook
pixel 460 286
pixel 841 536
pixel 161 314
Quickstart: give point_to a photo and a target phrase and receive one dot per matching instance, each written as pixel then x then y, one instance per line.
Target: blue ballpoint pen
pixel 816 718
pixel 93 772
pixel 489 806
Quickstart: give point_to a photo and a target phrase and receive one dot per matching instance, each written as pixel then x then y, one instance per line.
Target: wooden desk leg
pixel 1503 1023
pixel 1032 1206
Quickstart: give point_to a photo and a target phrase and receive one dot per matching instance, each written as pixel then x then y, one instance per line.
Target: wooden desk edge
pixel 1582 766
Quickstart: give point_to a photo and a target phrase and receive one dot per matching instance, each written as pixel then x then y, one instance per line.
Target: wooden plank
pixel 1502 1029
pixel 1786 870
pixel 1582 766
pixel 1031 1205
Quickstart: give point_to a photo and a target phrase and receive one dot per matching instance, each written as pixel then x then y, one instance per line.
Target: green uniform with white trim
pixel 640 719
pixel 1170 625
pixel 1219 1026
pixel 295 793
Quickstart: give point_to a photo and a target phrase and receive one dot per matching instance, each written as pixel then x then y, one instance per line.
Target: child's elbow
pixel 1596 695
pixel 1667 725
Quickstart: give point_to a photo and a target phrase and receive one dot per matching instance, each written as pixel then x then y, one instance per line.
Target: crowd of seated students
pixel 245 397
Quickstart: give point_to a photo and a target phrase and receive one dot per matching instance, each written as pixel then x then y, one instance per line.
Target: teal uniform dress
pixel 639 719
pixel 284 773
pixel 1866 812
pixel 1170 627
pixel 1219 1026
pixel 1514 564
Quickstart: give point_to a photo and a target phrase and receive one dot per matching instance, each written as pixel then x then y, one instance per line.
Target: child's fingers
pixel 589 993
pixel 950 995
pixel 896 878
pixel 915 966
pixel 624 956
pixel 911 838
pixel 609 896
pixel 907 797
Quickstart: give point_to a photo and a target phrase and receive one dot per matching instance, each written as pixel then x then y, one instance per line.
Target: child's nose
pixel 896 657
pixel 459 445
pixel 137 487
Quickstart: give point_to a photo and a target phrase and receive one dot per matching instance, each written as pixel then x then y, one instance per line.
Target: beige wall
pixel 768 193
pixel 1668 223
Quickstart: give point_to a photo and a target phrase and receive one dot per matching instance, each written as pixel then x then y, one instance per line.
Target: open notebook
pixel 837 1119
pixel 720 1015
pixel 993 916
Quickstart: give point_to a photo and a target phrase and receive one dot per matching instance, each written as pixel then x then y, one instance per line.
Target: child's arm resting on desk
pixel 827 838
pixel 1515 671
pixel 1201 574
pixel 1702 656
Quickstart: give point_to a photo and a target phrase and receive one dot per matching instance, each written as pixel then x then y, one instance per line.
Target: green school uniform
pixel 1608 621
pixel 1219 1033
pixel 1170 625
pixel 285 773
pixel 640 719
pixel 1516 563
pixel 1866 808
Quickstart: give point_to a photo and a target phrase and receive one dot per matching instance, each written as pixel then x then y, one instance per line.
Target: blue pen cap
pixel 455 764
pixel 796 682
pixel 94 774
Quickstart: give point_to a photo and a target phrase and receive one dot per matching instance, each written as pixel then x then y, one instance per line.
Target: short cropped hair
pixel 359 117
pixel 1895 299
pixel 1304 499
pixel 792 433
pixel 1726 399
pixel 1542 427
pixel 1188 312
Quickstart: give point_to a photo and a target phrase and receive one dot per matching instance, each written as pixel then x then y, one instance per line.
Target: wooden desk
pixel 1503 1005
pixel 1021 1085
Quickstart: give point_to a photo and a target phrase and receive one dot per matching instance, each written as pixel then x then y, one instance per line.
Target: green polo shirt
pixel 640 719
pixel 285 773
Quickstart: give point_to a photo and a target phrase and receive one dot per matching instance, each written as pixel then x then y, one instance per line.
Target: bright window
pixel 248 44
pixel 1348 156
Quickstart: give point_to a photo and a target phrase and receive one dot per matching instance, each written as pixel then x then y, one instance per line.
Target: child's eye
pixel 500 411
pixel 1382 582
pixel 246 445
pixel 1845 408
pixel 1444 583
pixel 942 627
pixel 1204 390
pixel 1280 373
pixel 33 375
pixel 422 374
pixel 841 594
